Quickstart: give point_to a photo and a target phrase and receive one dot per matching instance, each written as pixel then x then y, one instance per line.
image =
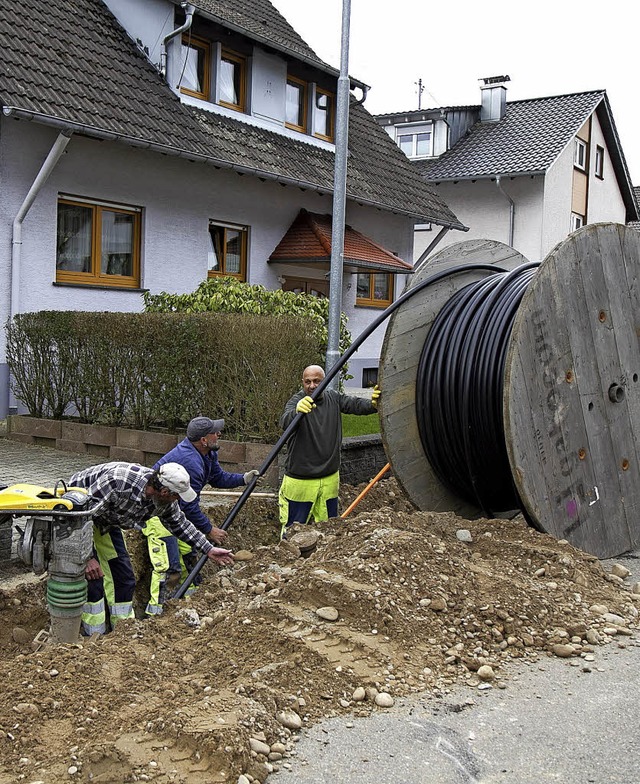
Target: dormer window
pixel 416 141
pixel 323 114
pixel 232 79
pixel 196 56
pixel 296 104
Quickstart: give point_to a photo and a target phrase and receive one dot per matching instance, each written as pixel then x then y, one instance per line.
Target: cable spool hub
pixel 571 396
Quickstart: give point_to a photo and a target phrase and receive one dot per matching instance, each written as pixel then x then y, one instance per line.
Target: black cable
pixel 330 375
pixel 459 390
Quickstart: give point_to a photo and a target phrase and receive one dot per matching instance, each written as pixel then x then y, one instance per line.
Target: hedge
pixel 160 369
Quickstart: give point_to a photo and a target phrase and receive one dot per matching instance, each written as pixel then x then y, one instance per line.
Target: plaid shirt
pixel 123 486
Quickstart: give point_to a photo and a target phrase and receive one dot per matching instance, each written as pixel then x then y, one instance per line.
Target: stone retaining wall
pixel 362 456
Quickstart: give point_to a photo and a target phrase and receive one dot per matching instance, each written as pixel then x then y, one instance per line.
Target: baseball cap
pixel 202 426
pixel 174 477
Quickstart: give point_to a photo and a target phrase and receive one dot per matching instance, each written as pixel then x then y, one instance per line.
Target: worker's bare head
pixel 312 377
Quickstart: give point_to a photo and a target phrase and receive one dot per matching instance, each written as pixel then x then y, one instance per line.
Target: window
pixel 374 289
pixel 231 81
pixel 416 142
pixel 599 167
pixel 227 250
pixel 296 104
pixel 323 114
pixel 98 243
pixel 369 377
pixel 576 221
pixel 196 68
pixel 580 155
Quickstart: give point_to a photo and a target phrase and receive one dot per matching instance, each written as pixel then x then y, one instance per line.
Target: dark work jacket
pixel 313 451
pixel 202 470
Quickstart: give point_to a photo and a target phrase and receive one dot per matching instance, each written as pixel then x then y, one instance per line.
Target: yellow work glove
pixel 375 395
pixel 305 405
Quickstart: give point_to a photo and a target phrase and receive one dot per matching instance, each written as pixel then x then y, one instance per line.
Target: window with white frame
pixel 577 221
pixel 599 164
pixel 416 141
pixel 580 154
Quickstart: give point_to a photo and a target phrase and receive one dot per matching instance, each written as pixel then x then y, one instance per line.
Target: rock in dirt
pixel 328 613
pixel 21 636
pixel 289 719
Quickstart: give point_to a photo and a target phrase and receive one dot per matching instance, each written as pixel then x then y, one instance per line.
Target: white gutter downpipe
pixel 16 243
pixel 189 12
pixel 512 210
pixel 16 248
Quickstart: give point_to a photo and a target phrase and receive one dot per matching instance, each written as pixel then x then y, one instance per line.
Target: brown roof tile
pixel 309 240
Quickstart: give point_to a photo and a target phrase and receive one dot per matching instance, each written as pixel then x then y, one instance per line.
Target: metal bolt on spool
pixel 570 392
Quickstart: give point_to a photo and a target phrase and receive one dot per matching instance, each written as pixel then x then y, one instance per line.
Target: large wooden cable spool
pixel 571 395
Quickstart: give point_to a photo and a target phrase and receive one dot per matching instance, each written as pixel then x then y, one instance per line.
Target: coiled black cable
pixel 459 390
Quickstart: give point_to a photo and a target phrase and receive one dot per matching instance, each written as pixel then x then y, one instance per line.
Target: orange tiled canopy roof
pixel 308 240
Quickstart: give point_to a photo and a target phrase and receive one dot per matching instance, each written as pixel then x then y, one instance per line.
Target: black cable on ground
pixel 459 390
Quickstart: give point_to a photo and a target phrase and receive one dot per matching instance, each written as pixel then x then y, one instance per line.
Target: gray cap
pixel 202 426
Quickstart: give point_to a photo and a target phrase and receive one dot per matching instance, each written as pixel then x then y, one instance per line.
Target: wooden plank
pixel 573 447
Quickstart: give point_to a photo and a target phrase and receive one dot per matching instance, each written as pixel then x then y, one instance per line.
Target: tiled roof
pixel 90 77
pixel 259 20
pixel 309 240
pixel 636 192
pixel 528 140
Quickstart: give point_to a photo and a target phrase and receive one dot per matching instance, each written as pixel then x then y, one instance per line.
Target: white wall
pixel 485 210
pixel 605 200
pixel 147 20
pixel 178 198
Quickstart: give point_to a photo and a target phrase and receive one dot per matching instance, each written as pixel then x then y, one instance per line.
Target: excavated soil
pixel 217 687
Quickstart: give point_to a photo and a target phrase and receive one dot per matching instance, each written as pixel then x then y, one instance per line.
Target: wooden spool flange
pixel 572 388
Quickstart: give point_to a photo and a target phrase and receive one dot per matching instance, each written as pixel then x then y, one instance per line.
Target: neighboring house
pixel 526 173
pixel 148 144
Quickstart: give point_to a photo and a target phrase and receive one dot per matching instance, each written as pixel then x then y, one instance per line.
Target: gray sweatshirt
pixel 313 451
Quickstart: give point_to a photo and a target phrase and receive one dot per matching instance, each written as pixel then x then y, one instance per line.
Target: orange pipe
pixel 375 479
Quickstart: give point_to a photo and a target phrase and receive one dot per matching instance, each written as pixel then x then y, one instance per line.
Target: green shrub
pixel 160 369
pixel 228 295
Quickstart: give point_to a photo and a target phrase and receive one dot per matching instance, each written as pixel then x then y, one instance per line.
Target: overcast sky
pixel 550 47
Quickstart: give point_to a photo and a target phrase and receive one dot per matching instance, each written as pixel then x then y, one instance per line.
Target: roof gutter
pixel 470 177
pixel 166 149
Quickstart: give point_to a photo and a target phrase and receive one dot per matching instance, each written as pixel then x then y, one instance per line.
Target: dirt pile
pixel 390 602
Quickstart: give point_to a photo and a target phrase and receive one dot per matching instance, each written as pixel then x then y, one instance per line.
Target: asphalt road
pixel 553 723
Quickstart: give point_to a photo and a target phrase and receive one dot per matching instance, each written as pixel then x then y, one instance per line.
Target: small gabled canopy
pixel 308 241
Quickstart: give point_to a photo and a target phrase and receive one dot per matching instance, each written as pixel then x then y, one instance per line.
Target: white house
pixel 148 144
pixel 526 173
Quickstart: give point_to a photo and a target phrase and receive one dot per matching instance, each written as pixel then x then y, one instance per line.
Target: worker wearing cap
pixel 311 481
pixel 197 453
pixel 132 494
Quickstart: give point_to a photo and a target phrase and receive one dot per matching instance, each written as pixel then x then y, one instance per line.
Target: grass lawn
pixel 353 425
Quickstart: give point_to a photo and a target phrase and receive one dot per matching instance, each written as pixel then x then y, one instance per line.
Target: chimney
pixel 493 95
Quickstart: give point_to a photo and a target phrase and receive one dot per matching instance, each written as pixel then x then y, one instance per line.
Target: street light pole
pixel 339 197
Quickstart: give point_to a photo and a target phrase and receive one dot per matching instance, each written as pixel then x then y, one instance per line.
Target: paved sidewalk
pixel 39 465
